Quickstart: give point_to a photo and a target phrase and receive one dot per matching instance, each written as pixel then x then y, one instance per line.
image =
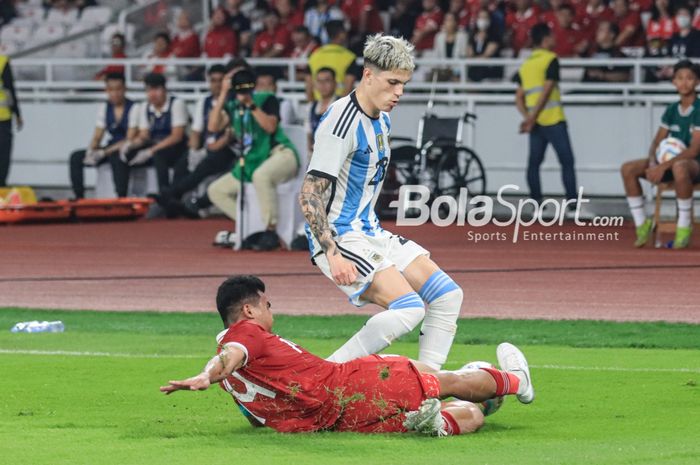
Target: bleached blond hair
pixel 389 53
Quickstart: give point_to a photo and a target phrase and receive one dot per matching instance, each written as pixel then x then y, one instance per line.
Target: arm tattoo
pixel 311 201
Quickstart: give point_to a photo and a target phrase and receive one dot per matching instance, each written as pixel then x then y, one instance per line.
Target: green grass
pixel 601 398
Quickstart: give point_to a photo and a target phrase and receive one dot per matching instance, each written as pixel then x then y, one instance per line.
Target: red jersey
pixel 221 41
pixel 566 41
pixel 663 29
pixel 186 45
pixel 432 19
pixel 353 11
pixel 589 18
pixel 520 25
pixel 291 390
pixel 265 40
pixel 632 19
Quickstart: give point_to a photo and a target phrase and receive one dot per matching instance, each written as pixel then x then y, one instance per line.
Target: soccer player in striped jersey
pixel 347 243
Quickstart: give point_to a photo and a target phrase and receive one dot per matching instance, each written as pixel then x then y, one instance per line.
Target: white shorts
pixel 370 254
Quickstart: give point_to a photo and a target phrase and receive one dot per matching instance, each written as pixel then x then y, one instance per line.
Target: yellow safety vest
pixel 333 56
pixel 532 78
pixel 5 111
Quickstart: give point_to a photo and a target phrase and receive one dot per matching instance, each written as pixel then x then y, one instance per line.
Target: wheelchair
pixel 436 159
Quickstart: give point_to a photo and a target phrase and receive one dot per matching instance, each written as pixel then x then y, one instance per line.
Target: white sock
pixel 444 300
pixel 684 208
pixel 403 315
pixel 637 208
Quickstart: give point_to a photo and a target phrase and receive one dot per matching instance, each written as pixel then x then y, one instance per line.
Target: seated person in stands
pixel 682 121
pixel 117 44
pixel 118 119
pixel 161 137
pixel 268 156
pixel 266 81
pixel 209 154
pixel 325 85
pixel 605 39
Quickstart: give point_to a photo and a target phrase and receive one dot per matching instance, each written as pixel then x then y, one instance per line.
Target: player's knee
pixel 409 308
pixel 680 169
pixel 439 285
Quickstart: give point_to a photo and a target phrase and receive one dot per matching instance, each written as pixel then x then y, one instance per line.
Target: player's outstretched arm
pixel 219 367
pixel 311 201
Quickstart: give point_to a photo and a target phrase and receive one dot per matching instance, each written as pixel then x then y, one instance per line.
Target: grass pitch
pixel 607 393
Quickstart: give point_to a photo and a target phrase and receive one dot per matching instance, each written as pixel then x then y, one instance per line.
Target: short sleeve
pixel 666 117
pixel 552 73
pixel 271 106
pixel 330 149
pixel 101 121
pixel 248 337
pixel 198 119
pixel 696 120
pixel 134 114
pixel 180 117
pixel 143 117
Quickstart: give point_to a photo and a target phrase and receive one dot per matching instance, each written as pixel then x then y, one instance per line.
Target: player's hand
pixel 655 173
pixel 196 383
pixel 142 156
pixel 343 270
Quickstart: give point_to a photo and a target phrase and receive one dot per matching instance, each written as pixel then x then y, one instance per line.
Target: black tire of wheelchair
pixel 474 158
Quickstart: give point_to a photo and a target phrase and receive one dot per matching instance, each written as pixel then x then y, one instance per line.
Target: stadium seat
pixel 96 14
pixel 666 226
pixel 8 48
pixel 56 16
pixel 15 33
pixel 47 32
pixel 34 13
pixel 287 199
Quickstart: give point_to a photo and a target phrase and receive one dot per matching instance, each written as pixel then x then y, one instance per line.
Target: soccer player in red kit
pixel 279 384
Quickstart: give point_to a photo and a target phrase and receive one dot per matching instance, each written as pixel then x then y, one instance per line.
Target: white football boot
pixel 512 360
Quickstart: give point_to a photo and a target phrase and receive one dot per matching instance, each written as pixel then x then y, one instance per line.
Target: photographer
pixel 268 155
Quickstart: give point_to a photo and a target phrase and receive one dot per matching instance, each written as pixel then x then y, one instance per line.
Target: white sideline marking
pixel 69 353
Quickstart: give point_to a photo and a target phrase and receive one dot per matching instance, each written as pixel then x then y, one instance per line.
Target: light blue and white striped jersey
pixel 351 149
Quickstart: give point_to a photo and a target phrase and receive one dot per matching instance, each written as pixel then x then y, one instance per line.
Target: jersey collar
pixel 353 97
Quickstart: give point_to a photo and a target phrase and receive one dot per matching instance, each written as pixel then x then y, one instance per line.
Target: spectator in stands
pixel 221 41
pixel 240 23
pixel 9 105
pixel 274 40
pixel 318 16
pixel 539 102
pixel 630 24
pixel 605 48
pixel 209 154
pixel 334 55
pixel 161 136
pixel 403 18
pixel 290 16
pixel 304 45
pixel 685 43
pixel 118 120
pixel 519 23
pixel 185 41
pixel 364 19
pixel 484 42
pixel 549 16
pixel 660 28
pixel 266 81
pixel 161 50
pixel 269 156
pixel 450 42
pixel 325 85
pixel 427 26
pixel 461 12
pixel 118 45
pixel 570 40
pixel 680 120
pixel 590 14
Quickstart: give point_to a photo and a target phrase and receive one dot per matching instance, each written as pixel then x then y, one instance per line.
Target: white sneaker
pixel 427 419
pixel 511 359
pixel 225 239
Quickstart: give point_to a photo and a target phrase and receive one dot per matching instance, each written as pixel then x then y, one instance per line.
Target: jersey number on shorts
pixel 381 171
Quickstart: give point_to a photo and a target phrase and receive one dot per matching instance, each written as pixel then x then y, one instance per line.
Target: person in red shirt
pixel 117 44
pixel 569 39
pixel 589 15
pixel 630 24
pixel 279 384
pixel 427 25
pixel 273 41
pixel 363 15
pixel 161 50
pixel 519 22
pixel 290 17
pixel 550 15
pixel 221 41
pixel 661 26
pixel 185 42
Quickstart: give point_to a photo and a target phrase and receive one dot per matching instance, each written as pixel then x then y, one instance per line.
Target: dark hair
pixel 217 68
pixel 154 80
pixel 568 7
pixel 326 69
pixel 686 64
pixel 115 76
pixel 163 35
pixel 266 71
pixel 539 32
pixel 120 36
pixel 235 292
pixel 334 28
pixel 237 63
pixel 303 30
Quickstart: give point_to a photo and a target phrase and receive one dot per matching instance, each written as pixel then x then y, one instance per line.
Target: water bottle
pixel 38 327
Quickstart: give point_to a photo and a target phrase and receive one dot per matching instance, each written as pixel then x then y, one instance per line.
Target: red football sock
pixel 451 423
pixel 506 383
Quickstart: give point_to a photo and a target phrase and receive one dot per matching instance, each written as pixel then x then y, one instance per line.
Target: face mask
pixel 683 21
pixel 482 24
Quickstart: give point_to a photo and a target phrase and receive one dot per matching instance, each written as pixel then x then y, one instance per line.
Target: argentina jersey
pixel 351 149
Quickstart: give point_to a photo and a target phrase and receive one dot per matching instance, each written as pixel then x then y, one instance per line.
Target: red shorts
pixel 378 391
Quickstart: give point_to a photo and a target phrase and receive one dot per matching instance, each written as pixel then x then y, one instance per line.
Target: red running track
pixel 171 266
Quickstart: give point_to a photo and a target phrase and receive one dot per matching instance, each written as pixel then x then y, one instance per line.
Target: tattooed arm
pixel 311 201
pixel 219 367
